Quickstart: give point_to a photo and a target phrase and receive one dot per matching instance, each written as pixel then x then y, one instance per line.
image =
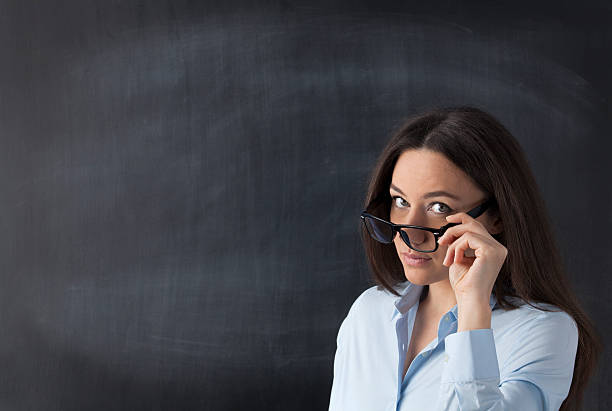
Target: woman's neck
pixel 440 297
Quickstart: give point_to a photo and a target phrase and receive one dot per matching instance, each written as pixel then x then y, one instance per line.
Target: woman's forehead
pixel 418 172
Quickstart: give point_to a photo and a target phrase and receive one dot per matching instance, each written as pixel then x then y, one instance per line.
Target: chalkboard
pixel 181 181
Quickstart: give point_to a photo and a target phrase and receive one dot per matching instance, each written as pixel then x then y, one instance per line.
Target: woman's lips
pixel 415 261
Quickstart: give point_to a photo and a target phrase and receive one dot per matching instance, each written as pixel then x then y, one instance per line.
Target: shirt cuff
pixel 470 355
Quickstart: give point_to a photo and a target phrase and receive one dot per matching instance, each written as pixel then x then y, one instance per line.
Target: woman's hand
pixel 473 276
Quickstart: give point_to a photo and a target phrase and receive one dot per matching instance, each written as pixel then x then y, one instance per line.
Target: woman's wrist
pixel 473 315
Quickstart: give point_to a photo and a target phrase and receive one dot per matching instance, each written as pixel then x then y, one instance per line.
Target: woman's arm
pixel 535 376
pixel 340 364
pixel 537 373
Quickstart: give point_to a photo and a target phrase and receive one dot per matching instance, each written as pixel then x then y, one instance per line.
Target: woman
pixel 472 309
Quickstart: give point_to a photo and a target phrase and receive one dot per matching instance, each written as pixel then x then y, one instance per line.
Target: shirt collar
pixel 410 294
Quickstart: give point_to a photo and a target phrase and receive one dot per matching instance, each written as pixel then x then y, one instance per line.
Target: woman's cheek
pixel 440 253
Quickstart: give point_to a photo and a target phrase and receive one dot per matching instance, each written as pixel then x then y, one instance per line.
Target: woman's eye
pixel 396 202
pixel 443 209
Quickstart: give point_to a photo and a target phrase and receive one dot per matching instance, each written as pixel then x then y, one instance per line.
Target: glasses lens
pixel 378 230
pixel 420 240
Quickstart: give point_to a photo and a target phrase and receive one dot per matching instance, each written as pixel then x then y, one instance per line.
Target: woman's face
pixel 417 173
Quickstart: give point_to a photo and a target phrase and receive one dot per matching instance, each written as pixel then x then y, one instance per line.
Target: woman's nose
pixel 414 217
pixel 416 236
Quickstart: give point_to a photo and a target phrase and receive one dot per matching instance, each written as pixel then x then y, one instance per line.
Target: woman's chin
pixel 420 277
pixel 416 279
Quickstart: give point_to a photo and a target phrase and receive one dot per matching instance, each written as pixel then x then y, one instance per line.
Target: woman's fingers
pixel 466 247
pixel 469 241
pixel 466 224
pixel 472 245
pixel 473 256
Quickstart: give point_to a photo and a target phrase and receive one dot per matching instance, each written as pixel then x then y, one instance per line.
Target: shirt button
pixel 446 317
pixel 426 353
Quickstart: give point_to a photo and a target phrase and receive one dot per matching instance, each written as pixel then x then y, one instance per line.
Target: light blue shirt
pixel 523 362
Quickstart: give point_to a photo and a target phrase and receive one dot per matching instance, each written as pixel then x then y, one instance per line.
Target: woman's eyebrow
pixel 439 193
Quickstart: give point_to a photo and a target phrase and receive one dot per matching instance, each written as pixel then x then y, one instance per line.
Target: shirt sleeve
pixel 340 363
pixel 536 374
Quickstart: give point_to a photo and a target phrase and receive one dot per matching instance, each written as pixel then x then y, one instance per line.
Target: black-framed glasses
pixel 419 238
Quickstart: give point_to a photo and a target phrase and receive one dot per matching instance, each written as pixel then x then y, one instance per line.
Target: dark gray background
pixel 181 182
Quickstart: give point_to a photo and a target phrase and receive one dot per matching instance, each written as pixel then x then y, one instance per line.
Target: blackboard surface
pixel 181 181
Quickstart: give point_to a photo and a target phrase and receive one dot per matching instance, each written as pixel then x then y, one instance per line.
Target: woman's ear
pixel 496 224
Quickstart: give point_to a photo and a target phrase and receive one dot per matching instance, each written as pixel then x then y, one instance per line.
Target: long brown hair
pixel 533 271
